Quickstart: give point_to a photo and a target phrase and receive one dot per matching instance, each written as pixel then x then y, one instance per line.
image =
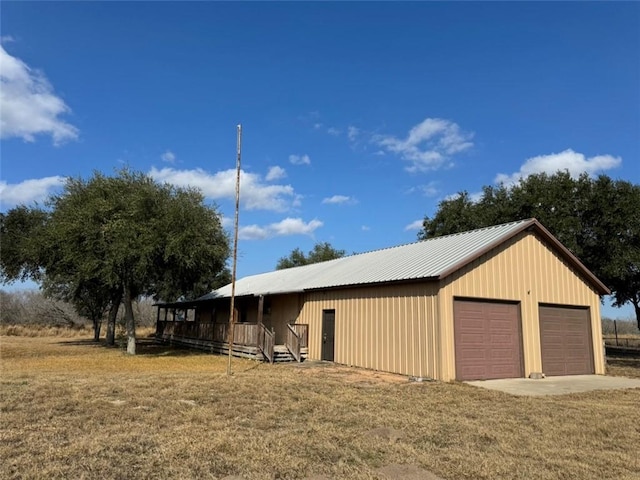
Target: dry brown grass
pixel 78 330
pixel 44 331
pixel 71 409
pixel 623 366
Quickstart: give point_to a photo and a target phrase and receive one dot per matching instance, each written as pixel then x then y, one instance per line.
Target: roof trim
pixel 177 305
pixel 369 284
pixel 534 225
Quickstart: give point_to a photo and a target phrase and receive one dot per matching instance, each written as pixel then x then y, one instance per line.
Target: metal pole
pixel 235 251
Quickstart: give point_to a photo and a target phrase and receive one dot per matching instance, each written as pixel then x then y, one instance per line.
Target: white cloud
pixel 168 157
pixel 295 226
pixel 288 226
pixel 428 145
pixel 275 173
pixel 337 199
pixel 29 106
pixel 333 131
pixel 226 222
pixel 33 190
pixel 575 163
pixel 365 228
pixel 254 193
pixel 253 232
pixel 428 190
pixel 474 197
pixel 317 126
pixel 352 133
pixel 417 225
pixel 7 39
pixel 300 159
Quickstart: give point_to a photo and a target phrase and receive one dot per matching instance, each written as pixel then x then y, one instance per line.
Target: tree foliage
pixel 110 238
pixel 321 252
pixel 597 219
pixel 20 231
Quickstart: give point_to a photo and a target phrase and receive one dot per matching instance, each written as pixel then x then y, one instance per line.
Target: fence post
pixel 615 329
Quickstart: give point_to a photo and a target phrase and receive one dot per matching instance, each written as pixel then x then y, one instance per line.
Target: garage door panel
pixel 472 339
pixel 487 340
pixel 504 372
pixel 501 339
pixel 505 354
pixel 474 355
pixel 472 372
pixel 565 340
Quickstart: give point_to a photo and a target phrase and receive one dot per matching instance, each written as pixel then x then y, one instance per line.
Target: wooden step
pixel 282 354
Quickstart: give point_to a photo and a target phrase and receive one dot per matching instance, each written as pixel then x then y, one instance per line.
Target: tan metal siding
pixel 391 328
pixel 523 269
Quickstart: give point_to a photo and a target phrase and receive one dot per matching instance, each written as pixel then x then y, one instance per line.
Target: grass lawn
pixel 72 409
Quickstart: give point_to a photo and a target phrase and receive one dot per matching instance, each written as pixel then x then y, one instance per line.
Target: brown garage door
pixel 565 340
pixel 488 342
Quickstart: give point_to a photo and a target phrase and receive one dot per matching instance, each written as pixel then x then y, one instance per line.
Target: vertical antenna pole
pixel 232 317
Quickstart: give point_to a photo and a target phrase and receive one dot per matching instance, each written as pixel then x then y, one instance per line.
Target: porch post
pixel 260 308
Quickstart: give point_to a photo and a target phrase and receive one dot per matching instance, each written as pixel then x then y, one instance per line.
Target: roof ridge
pixel 392 247
pixel 434 238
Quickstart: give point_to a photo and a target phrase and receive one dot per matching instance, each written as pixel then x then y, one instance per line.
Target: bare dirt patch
pixel 351 375
pixel 86 411
pixel 406 472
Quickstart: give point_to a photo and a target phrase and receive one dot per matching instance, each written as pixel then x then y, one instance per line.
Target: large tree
pixel 121 237
pixel 321 252
pixel 597 219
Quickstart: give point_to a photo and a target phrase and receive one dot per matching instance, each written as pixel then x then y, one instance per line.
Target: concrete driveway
pixel 557 385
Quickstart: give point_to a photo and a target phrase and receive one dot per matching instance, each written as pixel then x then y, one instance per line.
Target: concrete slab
pixel 557 385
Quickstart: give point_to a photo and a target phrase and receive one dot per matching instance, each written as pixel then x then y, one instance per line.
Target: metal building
pixel 498 302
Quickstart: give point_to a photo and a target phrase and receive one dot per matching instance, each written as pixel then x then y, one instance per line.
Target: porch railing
pixel 254 335
pixel 243 333
pixel 293 343
pixel 266 342
pixel 302 330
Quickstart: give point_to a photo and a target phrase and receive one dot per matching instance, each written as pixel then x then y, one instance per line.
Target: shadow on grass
pixel 626 362
pixel 146 346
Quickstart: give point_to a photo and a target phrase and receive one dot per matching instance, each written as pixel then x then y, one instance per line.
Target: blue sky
pixel 358 118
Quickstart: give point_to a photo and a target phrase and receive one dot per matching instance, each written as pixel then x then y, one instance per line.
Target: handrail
pixel 302 329
pixel 293 343
pixel 266 341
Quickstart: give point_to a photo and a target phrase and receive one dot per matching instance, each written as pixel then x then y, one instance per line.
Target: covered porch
pixel 205 326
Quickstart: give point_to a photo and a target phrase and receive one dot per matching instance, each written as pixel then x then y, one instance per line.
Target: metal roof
pixel 433 258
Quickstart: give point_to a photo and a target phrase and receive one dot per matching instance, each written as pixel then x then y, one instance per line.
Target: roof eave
pixel 374 284
pixel 571 258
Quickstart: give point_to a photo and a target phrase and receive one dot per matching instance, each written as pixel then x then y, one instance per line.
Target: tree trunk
pixel 97 325
pixel 636 306
pixel 129 321
pixel 113 315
